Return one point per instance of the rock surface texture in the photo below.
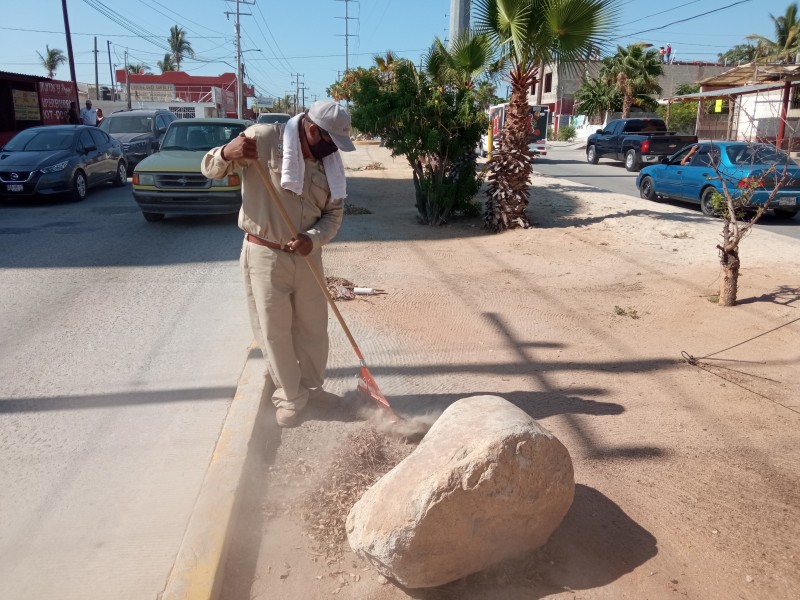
(485, 484)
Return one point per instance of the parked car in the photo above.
(739, 163)
(273, 118)
(170, 181)
(140, 131)
(60, 159)
(635, 141)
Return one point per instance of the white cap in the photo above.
(334, 119)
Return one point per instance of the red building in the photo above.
(177, 85)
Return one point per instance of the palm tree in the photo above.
(168, 64)
(532, 33)
(52, 59)
(138, 69)
(634, 71)
(469, 57)
(787, 35)
(595, 97)
(179, 45)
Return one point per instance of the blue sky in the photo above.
(306, 37)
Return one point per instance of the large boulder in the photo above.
(486, 483)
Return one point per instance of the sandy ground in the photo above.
(686, 479)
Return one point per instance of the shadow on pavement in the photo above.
(596, 544)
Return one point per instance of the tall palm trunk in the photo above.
(626, 86)
(511, 165)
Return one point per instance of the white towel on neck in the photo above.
(293, 169)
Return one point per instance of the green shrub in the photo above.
(566, 133)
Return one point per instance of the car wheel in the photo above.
(121, 177)
(152, 217)
(646, 188)
(631, 161)
(705, 202)
(79, 187)
(783, 213)
(591, 155)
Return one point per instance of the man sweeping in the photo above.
(288, 310)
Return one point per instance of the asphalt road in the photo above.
(121, 345)
(570, 163)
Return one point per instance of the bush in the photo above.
(550, 133)
(566, 133)
(436, 128)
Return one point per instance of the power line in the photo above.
(104, 33)
(659, 13)
(687, 19)
(277, 45)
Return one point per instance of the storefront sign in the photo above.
(26, 105)
(54, 99)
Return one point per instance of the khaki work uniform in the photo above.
(288, 310)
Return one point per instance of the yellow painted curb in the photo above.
(199, 567)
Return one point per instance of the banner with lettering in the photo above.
(54, 99)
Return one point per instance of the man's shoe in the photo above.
(286, 417)
(323, 398)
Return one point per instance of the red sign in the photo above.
(54, 99)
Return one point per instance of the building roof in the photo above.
(725, 93)
(752, 74)
(178, 78)
(22, 77)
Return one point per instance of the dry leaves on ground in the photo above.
(360, 461)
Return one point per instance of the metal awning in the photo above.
(753, 73)
(724, 93)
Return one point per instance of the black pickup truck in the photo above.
(636, 142)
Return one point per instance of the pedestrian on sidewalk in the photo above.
(288, 310)
(88, 114)
(72, 115)
(100, 117)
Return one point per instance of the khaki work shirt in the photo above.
(313, 212)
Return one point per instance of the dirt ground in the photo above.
(687, 477)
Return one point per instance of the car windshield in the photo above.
(127, 124)
(199, 136)
(273, 118)
(40, 140)
(760, 154)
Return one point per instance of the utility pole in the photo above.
(127, 80)
(239, 91)
(111, 72)
(69, 51)
(296, 77)
(303, 103)
(347, 35)
(96, 77)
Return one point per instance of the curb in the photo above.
(199, 566)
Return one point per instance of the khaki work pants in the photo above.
(289, 316)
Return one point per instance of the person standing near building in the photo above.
(288, 309)
(668, 53)
(100, 117)
(88, 114)
(661, 54)
(72, 115)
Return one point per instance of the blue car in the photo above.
(690, 176)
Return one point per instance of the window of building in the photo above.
(795, 98)
(548, 82)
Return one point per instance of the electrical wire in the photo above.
(687, 19)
